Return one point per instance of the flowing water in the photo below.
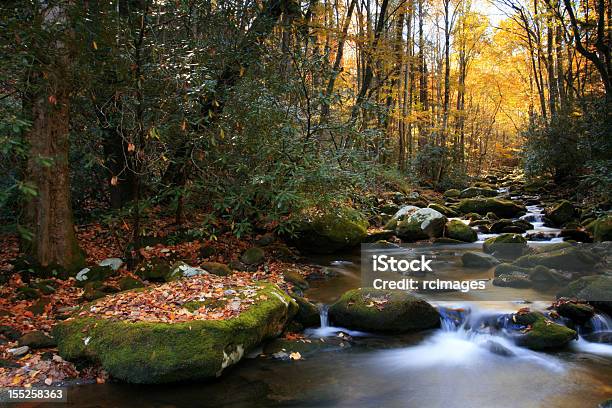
(471, 361)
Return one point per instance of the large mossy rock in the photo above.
(308, 313)
(501, 208)
(565, 258)
(505, 245)
(602, 229)
(452, 193)
(542, 333)
(478, 260)
(561, 213)
(151, 353)
(403, 213)
(577, 312)
(253, 256)
(443, 209)
(390, 311)
(472, 192)
(456, 229)
(331, 231)
(422, 224)
(216, 268)
(595, 289)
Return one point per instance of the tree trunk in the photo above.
(49, 214)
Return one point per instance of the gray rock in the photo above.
(478, 260)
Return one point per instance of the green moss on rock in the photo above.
(471, 192)
(331, 231)
(561, 213)
(478, 260)
(169, 352)
(253, 256)
(422, 224)
(392, 311)
(308, 313)
(443, 209)
(505, 245)
(216, 268)
(602, 229)
(452, 193)
(595, 289)
(129, 283)
(568, 258)
(456, 229)
(544, 333)
(501, 208)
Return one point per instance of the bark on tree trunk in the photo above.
(49, 213)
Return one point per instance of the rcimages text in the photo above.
(385, 263)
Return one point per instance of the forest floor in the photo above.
(22, 313)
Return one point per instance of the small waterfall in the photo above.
(534, 214)
(468, 337)
(600, 322)
(323, 315)
(595, 336)
(451, 319)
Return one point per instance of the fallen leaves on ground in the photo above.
(218, 297)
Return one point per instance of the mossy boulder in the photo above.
(602, 229)
(595, 289)
(403, 213)
(578, 313)
(452, 193)
(422, 224)
(512, 280)
(331, 230)
(448, 212)
(296, 278)
(498, 226)
(542, 333)
(129, 283)
(216, 268)
(151, 353)
(391, 311)
(561, 213)
(508, 268)
(253, 256)
(500, 207)
(505, 245)
(478, 260)
(308, 313)
(568, 258)
(456, 229)
(472, 192)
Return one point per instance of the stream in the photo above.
(461, 364)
